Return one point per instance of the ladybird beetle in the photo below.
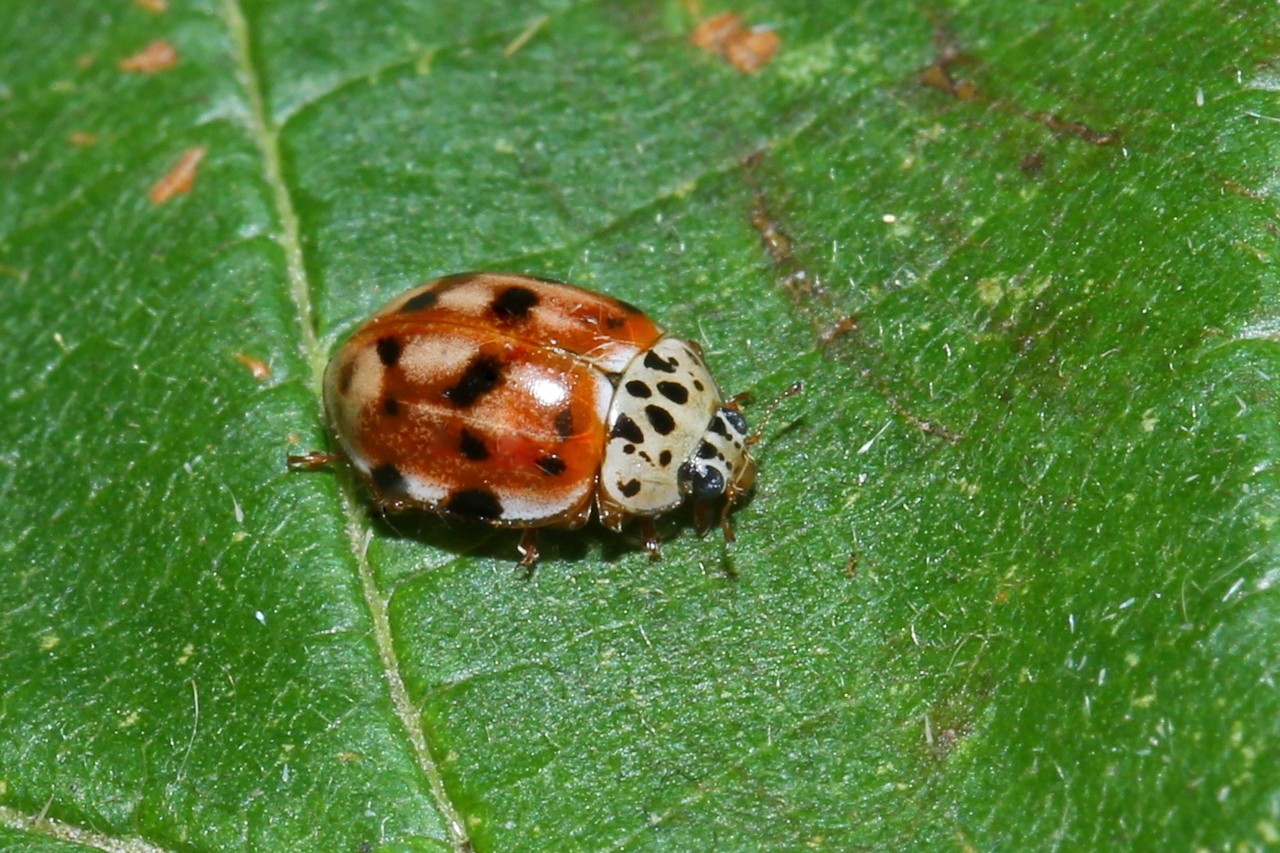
(524, 402)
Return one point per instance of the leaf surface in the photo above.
(1009, 576)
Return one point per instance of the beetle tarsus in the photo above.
(649, 535)
(528, 549)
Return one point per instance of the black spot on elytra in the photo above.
(717, 426)
(551, 464)
(564, 424)
(345, 376)
(664, 458)
(472, 447)
(423, 300)
(474, 503)
(391, 406)
(389, 351)
(697, 383)
(628, 449)
(636, 388)
(628, 429)
(674, 391)
(614, 322)
(514, 303)
(481, 376)
(660, 419)
(629, 489)
(387, 478)
(653, 361)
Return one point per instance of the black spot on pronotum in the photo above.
(472, 447)
(564, 424)
(345, 376)
(391, 406)
(707, 450)
(481, 376)
(660, 419)
(674, 391)
(474, 503)
(653, 361)
(514, 302)
(423, 300)
(628, 429)
(717, 426)
(387, 478)
(551, 464)
(629, 489)
(636, 388)
(664, 458)
(389, 351)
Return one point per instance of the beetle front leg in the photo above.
(649, 535)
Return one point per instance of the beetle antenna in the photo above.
(794, 389)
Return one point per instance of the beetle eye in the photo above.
(736, 420)
(703, 483)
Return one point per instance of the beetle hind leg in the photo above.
(528, 549)
(649, 535)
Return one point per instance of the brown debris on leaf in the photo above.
(940, 75)
(180, 179)
(155, 7)
(158, 56)
(747, 49)
(83, 139)
(808, 291)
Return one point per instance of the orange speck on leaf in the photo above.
(747, 49)
(82, 139)
(160, 55)
(155, 7)
(712, 33)
(180, 179)
(752, 50)
(258, 368)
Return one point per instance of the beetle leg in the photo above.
(725, 525)
(649, 535)
(528, 548)
(701, 517)
(312, 460)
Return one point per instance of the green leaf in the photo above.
(1009, 578)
